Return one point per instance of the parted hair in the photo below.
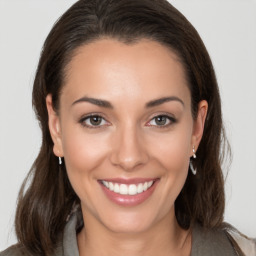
(46, 197)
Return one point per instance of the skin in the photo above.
(128, 143)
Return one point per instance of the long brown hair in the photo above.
(44, 206)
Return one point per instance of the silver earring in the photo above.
(193, 170)
(194, 152)
(60, 161)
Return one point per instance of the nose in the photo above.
(129, 149)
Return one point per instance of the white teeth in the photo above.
(125, 189)
(140, 188)
(106, 184)
(150, 183)
(145, 186)
(132, 190)
(116, 188)
(111, 186)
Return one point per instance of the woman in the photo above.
(130, 112)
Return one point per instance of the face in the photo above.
(126, 132)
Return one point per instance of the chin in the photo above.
(131, 221)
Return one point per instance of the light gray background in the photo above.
(228, 29)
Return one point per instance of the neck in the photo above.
(164, 238)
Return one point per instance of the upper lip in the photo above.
(129, 181)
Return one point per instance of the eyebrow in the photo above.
(160, 101)
(98, 102)
(107, 104)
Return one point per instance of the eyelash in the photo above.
(171, 120)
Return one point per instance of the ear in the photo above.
(198, 127)
(54, 127)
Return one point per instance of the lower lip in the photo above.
(129, 200)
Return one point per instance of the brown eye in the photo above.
(93, 121)
(161, 120)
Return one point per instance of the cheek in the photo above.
(83, 152)
(172, 152)
(173, 149)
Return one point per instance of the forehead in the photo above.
(111, 69)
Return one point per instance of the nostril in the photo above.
(129, 163)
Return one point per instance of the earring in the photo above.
(60, 161)
(193, 170)
(194, 152)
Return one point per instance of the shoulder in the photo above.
(15, 250)
(66, 245)
(211, 242)
(247, 245)
(222, 241)
(19, 250)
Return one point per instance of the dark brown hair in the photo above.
(44, 206)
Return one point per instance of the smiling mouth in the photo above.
(127, 189)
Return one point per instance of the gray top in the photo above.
(204, 243)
